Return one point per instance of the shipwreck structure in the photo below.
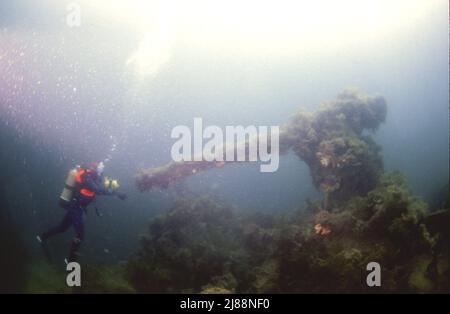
(334, 141)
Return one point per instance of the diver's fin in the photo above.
(44, 249)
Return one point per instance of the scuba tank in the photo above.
(70, 184)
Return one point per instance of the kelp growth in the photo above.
(202, 246)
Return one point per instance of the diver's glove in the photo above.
(121, 195)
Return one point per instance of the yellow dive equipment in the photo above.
(110, 183)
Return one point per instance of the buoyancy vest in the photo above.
(79, 179)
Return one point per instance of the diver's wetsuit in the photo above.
(74, 215)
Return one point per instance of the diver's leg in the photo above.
(78, 226)
(60, 228)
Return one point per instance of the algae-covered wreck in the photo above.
(366, 215)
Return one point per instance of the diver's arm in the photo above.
(92, 185)
(100, 190)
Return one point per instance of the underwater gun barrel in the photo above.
(329, 140)
(163, 176)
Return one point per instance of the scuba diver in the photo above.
(82, 185)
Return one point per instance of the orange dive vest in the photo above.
(80, 181)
